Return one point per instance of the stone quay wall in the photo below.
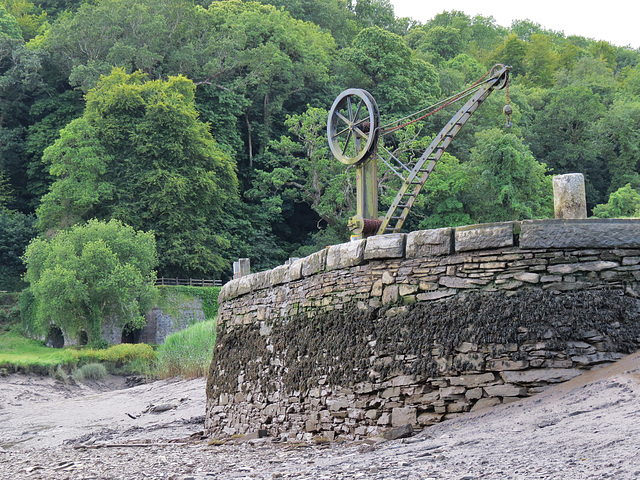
(416, 328)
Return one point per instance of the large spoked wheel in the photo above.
(352, 128)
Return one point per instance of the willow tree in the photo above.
(89, 274)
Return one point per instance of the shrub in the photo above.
(90, 371)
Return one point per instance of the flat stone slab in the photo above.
(429, 243)
(385, 246)
(345, 255)
(314, 263)
(540, 376)
(484, 236)
(581, 233)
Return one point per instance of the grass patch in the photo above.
(90, 371)
(18, 353)
(187, 353)
(118, 356)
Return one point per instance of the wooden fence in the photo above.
(191, 282)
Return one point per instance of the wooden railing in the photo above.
(191, 282)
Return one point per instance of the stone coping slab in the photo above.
(581, 233)
(527, 234)
(484, 236)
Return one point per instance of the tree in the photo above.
(9, 25)
(512, 52)
(91, 274)
(624, 202)
(385, 66)
(20, 82)
(509, 184)
(562, 136)
(30, 18)
(302, 169)
(332, 16)
(446, 42)
(443, 196)
(141, 155)
(540, 61)
(16, 230)
(617, 142)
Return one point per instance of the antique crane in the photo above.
(353, 131)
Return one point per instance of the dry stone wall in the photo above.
(420, 327)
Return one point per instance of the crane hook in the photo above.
(508, 111)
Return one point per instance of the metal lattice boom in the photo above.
(420, 172)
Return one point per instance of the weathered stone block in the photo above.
(403, 416)
(400, 381)
(435, 295)
(244, 285)
(541, 376)
(500, 365)
(485, 403)
(429, 243)
(595, 358)
(506, 390)
(385, 246)
(527, 277)
(390, 294)
(335, 404)
(345, 255)
(458, 282)
(295, 270)
(481, 237)
(314, 263)
(406, 289)
(384, 419)
(472, 381)
(474, 394)
(279, 275)
(429, 418)
(451, 393)
(402, 431)
(587, 233)
(466, 347)
(261, 280)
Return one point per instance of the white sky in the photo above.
(617, 22)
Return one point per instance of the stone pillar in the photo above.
(569, 198)
(241, 268)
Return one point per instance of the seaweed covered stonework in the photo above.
(351, 348)
(426, 362)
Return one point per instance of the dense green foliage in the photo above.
(88, 274)
(204, 121)
(188, 352)
(207, 295)
(16, 230)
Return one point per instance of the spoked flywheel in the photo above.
(352, 127)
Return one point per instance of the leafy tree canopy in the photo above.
(16, 230)
(89, 274)
(140, 154)
(624, 202)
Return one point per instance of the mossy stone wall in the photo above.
(421, 327)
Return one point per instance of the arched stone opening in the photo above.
(130, 334)
(83, 338)
(55, 337)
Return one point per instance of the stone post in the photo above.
(241, 268)
(569, 198)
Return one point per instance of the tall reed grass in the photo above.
(187, 353)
